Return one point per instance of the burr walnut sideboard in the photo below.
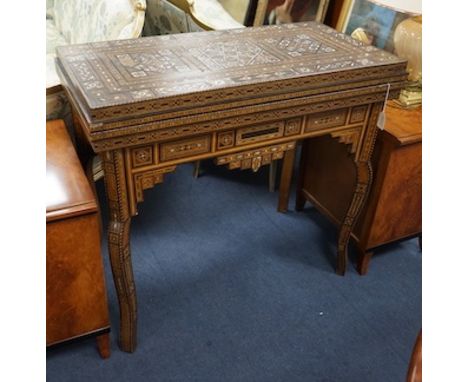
(243, 97)
(76, 295)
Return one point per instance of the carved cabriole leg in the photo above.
(364, 179)
(119, 246)
(285, 184)
(364, 175)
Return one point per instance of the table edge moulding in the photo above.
(243, 97)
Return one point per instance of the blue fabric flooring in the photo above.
(230, 290)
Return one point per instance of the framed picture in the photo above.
(370, 22)
(292, 11)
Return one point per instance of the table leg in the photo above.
(103, 343)
(364, 180)
(300, 198)
(272, 175)
(286, 175)
(364, 177)
(363, 261)
(119, 246)
(196, 169)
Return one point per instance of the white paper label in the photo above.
(381, 120)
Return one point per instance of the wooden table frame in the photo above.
(122, 205)
(240, 132)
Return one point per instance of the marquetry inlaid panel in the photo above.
(254, 159)
(185, 148)
(293, 126)
(147, 179)
(142, 156)
(132, 77)
(183, 127)
(326, 119)
(225, 140)
(358, 113)
(349, 137)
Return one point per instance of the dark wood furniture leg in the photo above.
(103, 344)
(286, 175)
(300, 198)
(414, 373)
(363, 261)
(272, 169)
(119, 246)
(196, 169)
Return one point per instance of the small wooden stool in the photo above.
(76, 294)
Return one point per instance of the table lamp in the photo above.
(407, 40)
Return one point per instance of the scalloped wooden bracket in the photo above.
(254, 159)
(348, 137)
(147, 179)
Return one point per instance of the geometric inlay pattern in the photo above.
(113, 73)
(231, 54)
(142, 156)
(140, 65)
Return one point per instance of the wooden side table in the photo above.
(75, 294)
(393, 210)
(243, 97)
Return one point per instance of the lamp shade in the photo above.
(411, 7)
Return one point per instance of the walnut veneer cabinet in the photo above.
(393, 211)
(76, 299)
(244, 97)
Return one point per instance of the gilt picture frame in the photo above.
(370, 22)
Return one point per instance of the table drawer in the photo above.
(185, 148)
(260, 133)
(333, 118)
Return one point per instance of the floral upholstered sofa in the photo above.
(80, 21)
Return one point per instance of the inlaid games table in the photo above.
(244, 97)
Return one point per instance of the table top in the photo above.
(126, 78)
(68, 190)
(404, 125)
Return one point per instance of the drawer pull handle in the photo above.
(252, 134)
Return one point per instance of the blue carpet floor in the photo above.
(230, 290)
